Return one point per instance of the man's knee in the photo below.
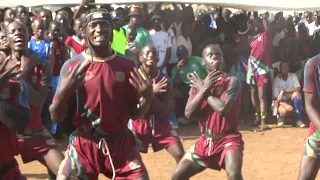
(282, 110)
(234, 174)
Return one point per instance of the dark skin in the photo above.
(259, 94)
(46, 17)
(10, 13)
(38, 29)
(77, 28)
(135, 20)
(149, 58)
(183, 60)
(17, 35)
(98, 34)
(186, 168)
(21, 11)
(4, 45)
(56, 34)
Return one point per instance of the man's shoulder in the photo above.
(123, 61)
(233, 81)
(313, 62)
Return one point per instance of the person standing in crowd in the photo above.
(102, 142)
(215, 101)
(14, 114)
(259, 68)
(181, 75)
(63, 18)
(61, 53)
(286, 91)
(242, 50)
(143, 37)
(35, 142)
(77, 42)
(46, 17)
(154, 128)
(38, 44)
(309, 165)
(21, 11)
(9, 13)
(119, 33)
(161, 40)
(184, 38)
(5, 50)
(132, 50)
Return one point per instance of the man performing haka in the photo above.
(35, 143)
(310, 161)
(154, 128)
(108, 91)
(216, 102)
(14, 117)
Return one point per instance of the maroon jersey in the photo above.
(104, 101)
(213, 123)
(8, 138)
(261, 48)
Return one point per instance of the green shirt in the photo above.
(194, 65)
(119, 41)
(143, 37)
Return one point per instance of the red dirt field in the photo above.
(273, 154)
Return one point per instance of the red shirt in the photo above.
(214, 124)
(8, 137)
(75, 44)
(261, 48)
(105, 95)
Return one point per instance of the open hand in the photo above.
(160, 87)
(71, 81)
(141, 82)
(211, 79)
(196, 82)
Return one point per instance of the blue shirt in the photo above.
(42, 48)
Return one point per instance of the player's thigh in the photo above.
(233, 162)
(287, 106)
(309, 168)
(186, 168)
(176, 150)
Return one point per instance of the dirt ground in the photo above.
(273, 154)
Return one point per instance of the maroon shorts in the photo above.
(160, 137)
(13, 173)
(87, 157)
(261, 80)
(210, 154)
(33, 147)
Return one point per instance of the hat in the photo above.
(182, 50)
(157, 15)
(134, 11)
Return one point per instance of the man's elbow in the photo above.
(55, 115)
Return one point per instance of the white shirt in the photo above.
(279, 84)
(312, 27)
(181, 41)
(277, 38)
(178, 28)
(173, 57)
(162, 41)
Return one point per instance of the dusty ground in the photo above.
(273, 154)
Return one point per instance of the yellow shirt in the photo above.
(119, 41)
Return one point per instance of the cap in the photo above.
(134, 11)
(182, 50)
(117, 15)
